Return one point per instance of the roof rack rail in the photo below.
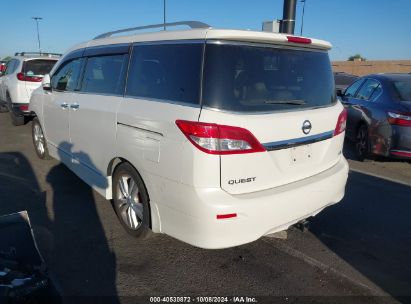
(36, 53)
(191, 24)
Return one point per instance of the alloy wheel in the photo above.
(130, 207)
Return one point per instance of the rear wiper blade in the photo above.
(291, 102)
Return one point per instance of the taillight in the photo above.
(301, 40)
(24, 108)
(341, 123)
(22, 77)
(219, 139)
(399, 119)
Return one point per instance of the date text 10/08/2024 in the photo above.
(203, 299)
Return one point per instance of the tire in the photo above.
(130, 201)
(361, 143)
(16, 120)
(39, 140)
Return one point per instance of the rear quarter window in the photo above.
(170, 72)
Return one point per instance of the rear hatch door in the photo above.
(286, 98)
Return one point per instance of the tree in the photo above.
(7, 58)
(356, 57)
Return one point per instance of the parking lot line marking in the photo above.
(381, 176)
(313, 262)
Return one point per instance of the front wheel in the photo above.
(361, 143)
(130, 200)
(39, 141)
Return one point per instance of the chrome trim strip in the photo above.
(295, 142)
(138, 128)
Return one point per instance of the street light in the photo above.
(302, 17)
(38, 33)
(164, 14)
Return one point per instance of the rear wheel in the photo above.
(39, 141)
(130, 201)
(361, 143)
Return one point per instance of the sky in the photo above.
(376, 29)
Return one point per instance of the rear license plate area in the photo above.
(301, 155)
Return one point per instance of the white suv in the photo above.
(23, 75)
(214, 137)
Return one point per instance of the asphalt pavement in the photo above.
(356, 251)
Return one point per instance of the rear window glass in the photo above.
(38, 67)
(259, 79)
(166, 72)
(403, 89)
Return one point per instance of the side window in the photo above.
(105, 74)
(367, 89)
(352, 89)
(376, 93)
(166, 71)
(67, 76)
(11, 66)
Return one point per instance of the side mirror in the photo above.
(46, 83)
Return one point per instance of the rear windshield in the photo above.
(38, 67)
(246, 78)
(403, 89)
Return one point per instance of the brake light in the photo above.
(24, 108)
(302, 40)
(219, 139)
(341, 123)
(399, 119)
(22, 77)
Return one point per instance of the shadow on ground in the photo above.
(68, 229)
(370, 229)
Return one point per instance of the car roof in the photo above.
(391, 76)
(206, 34)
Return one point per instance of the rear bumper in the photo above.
(21, 109)
(258, 213)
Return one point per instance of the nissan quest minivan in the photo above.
(214, 137)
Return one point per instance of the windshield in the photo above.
(244, 78)
(403, 89)
(38, 67)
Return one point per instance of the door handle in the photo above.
(75, 106)
(64, 105)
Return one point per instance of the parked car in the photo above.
(2, 67)
(343, 81)
(23, 75)
(379, 115)
(214, 137)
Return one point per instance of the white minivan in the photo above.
(214, 137)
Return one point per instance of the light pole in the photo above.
(302, 17)
(38, 33)
(164, 14)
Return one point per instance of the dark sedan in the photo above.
(379, 115)
(343, 80)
